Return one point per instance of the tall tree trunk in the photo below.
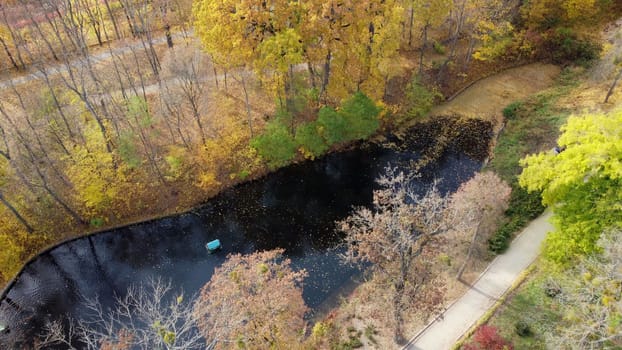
(454, 42)
(169, 37)
(42, 36)
(613, 85)
(398, 332)
(248, 106)
(325, 77)
(215, 76)
(469, 253)
(128, 17)
(58, 200)
(9, 54)
(17, 215)
(6, 153)
(113, 19)
(226, 87)
(288, 81)
(96, 28)
(469, 53)
(411, 23)
(423, 46)
(311, 75)
(59, 108)
(34, 131)
(14, 37)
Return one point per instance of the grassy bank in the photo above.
(528, 330)
(531, 126)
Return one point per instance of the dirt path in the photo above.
(486, 98)
(76, 62)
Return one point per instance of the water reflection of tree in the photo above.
(150, 316)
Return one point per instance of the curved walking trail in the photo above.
(499, 276)
(485, 99)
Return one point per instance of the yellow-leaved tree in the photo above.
(231, 31)
(351, 45)
(92, 171)
(582, 183)
(354, 42)
(228, 158)
(427, 14)
(548, 13)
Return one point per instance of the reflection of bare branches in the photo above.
(147, 317)
(55, 333)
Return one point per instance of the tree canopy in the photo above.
(582, 183)
(253, 301)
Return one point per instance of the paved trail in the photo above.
(486, 99)
(443, 332)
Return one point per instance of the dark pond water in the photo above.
(294, 208)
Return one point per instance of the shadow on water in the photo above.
(295, 208)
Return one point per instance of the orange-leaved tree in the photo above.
(254, 301)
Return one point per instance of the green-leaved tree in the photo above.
(582, 184)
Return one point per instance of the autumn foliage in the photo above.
(254, 301)
(478, 205)
(582, 184)
(487, 338)
(398, 237)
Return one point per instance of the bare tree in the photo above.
(184, 87)
(478, 205)
(164, 7)
(397, 237)
(148, 317)
(255, 301)
(16, 213)
(617, 63)
(112, 19)
(590, 298)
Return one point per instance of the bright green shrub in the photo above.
(310, 141)
(361, 116)
(419, 100)
(275, 145)
(334, 125)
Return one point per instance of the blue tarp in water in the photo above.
(213, 245)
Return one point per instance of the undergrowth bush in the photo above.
(523, 204)
(522, 328)
(361, 115)
(511, 110)
(276, 145)
(356, 119)
(309, 139)
(523, 207)
(488, 338)
(439, 48)
(565, 46)
(419, 100)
